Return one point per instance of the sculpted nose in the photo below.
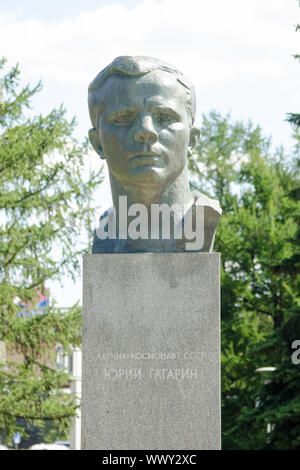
(146, 131)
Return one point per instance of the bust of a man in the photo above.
(142, 111)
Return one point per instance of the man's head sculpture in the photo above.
(142, 111)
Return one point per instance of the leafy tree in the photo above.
(279, 396)
(259, 241)
(45, 210)
(294, 118)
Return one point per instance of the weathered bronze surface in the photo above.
(142, 111)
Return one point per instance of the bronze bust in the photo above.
(142, 111)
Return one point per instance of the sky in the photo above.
(237, 53)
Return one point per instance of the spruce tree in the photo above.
(45, 214)
(258, 238)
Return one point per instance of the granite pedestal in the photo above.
(151, 351)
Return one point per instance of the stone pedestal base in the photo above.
(151, 351)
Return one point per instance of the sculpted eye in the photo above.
(122, 118)
(163, 116)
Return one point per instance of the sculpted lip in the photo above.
(143, 158)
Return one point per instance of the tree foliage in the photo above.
(258, 238)
(45, 210)
(294, 118)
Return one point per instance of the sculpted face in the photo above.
(144, 129)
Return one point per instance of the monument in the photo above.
(151, 365)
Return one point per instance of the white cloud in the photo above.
(214, 37)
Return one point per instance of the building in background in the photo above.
(71, 364)
(37, 307)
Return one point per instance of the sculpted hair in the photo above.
(136, 66)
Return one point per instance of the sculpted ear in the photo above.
(95, 141)
(194, 139)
